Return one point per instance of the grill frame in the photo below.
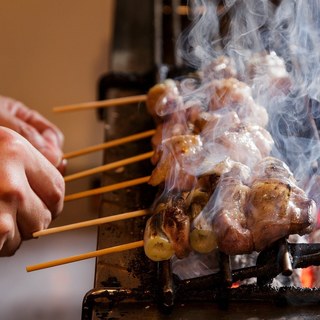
(130, 280)
(128, 285)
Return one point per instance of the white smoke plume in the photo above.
(243, 29)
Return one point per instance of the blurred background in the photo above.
(53, 53)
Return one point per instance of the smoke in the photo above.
(274, 49)
(289, 91)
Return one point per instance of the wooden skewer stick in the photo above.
(113, 187)
(93, 254)
(110, 144)
(108, 166)
(93, 222)
(101, 104)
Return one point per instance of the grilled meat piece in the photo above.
(236, 96)
(268, 71)
(176, 225)
(273, 168)
(244, 144)
(220, 68)
(276, 206)
(177, 156)
(168, 229)
(277, 209)
(250, 216)
(229, 217)
(163, 99)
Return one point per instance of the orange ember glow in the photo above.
(307, 277)
(235, 285)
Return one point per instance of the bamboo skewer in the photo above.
(113, 187)
(93, 222)
(117, 186)
(101, 103)
(108, 166)
(88, 255)
(110, 144)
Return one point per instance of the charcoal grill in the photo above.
(130, 286)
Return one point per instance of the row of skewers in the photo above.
(110, 188)
(241, 220)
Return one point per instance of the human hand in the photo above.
(40, 132)
(31, 191)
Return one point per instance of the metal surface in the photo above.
(160, 294)
(129, 286)
(259, 310)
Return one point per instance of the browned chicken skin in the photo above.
(176, 225)
(276, 206)
(229, 222)
(220, 148)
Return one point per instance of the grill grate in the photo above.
(129, 286)
(170, 290)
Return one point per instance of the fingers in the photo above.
(62, 167)
(48, 130)
(32, 214)
(18, 222)
(45, 180)
(31, 191)
(48, 184)
(10, 238)
(46, 141)
(40, 132)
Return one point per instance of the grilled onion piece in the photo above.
(157, 246)
(203, 240)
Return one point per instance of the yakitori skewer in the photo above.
(112, 187)
(88, 255)
(101, 103)
(93, 222)
(110, 144)
(109, 166)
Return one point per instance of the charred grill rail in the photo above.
(281, 258)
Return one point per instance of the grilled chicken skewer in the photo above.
(191, 139)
